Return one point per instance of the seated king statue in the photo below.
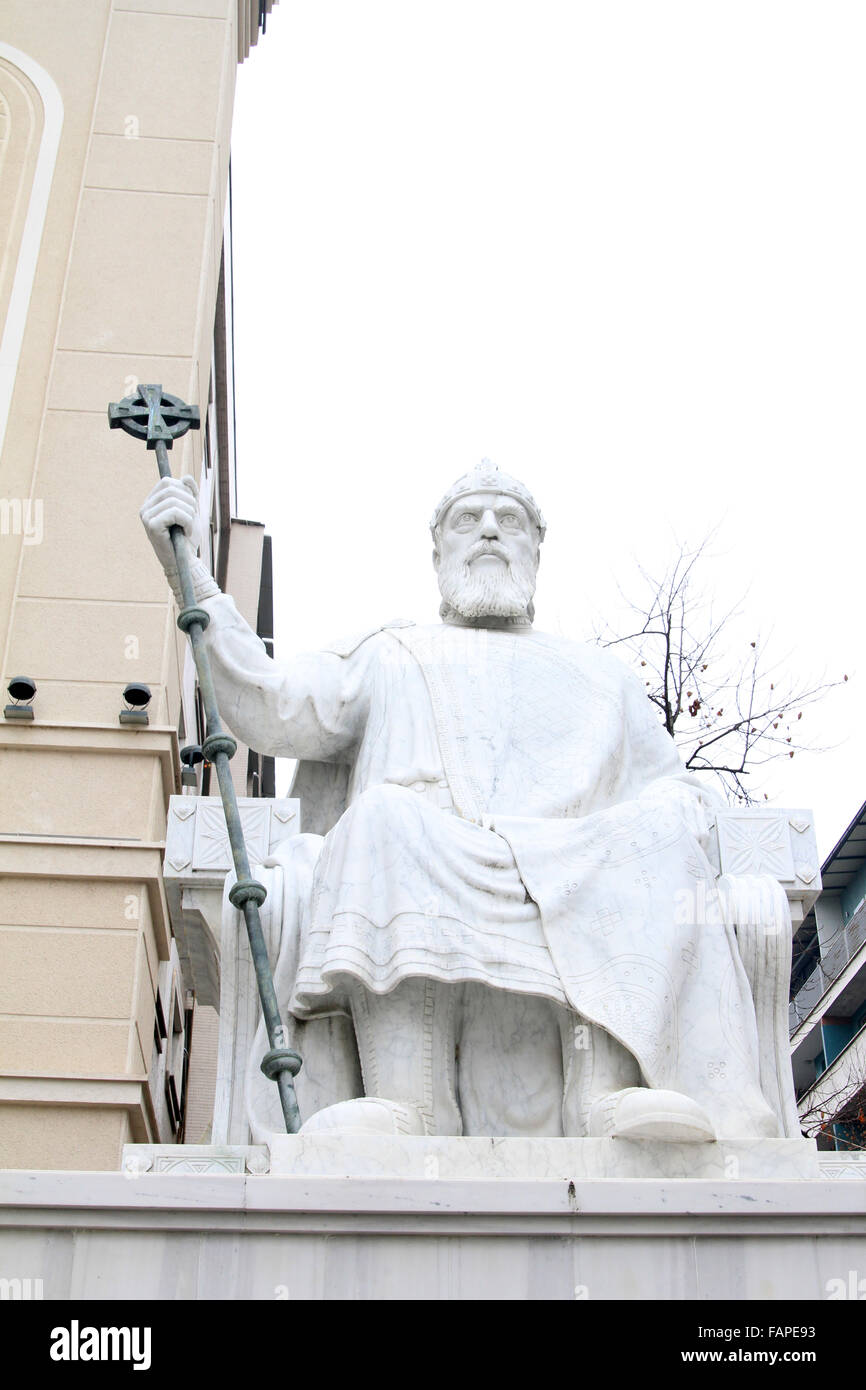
(485, 907)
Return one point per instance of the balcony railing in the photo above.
(833, 1091)
(842, 948)
(855, 932)
(807, 997)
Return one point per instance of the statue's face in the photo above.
(487, 557)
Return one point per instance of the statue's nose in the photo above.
(489, 525)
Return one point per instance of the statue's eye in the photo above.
(510, 519)
(466, 519)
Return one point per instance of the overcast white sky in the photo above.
(617, 248)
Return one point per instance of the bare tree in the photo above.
(842, 1109)
(729, 712)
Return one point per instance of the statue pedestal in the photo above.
(193, 1222)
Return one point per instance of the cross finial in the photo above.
(152, 414)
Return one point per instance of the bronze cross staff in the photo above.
(159, 419)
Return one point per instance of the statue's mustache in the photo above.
(486, 548)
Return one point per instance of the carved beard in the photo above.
(473, 593)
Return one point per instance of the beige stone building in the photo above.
(115, 119)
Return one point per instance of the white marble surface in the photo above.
(774, 841)
(164, 1236)
(539, 1160)
(204, 1159)
(196, 1159)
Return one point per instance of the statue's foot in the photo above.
(639, 1113)
(368, 1115)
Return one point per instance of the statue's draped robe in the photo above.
(515, 815)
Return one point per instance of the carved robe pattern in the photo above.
(516, 816)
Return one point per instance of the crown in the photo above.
(486, 477)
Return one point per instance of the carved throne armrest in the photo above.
(197, 858)
(220, 970)
(769, 878)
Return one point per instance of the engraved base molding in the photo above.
(198, 1160)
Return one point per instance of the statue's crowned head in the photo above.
(487, 530)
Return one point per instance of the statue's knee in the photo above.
(388, 802)
(302, 847)
(297, 857)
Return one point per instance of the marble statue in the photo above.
(486, 908)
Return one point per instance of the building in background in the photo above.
(115, 120)
(828, 1000)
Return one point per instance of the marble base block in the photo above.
(161, 1231)
(538, 1160)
